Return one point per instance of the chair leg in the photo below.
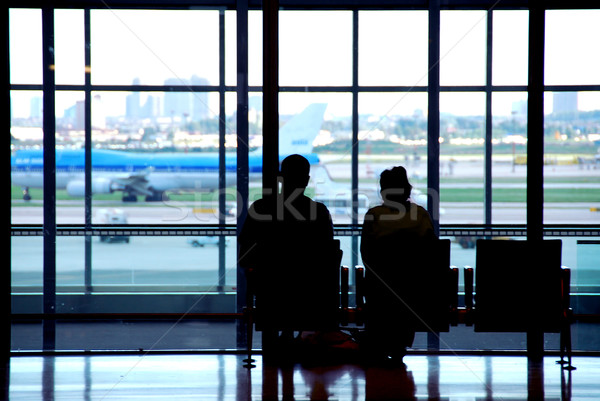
(249, 334)
(565, 347)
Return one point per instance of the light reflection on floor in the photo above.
(224, 377)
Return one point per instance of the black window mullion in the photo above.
(88, 151)
(222, 126)
(433, 115)
(355, 128)
(49, 142)
(242, 173)
(487, 203)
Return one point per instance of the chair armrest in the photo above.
(469, 274)
(453, 288)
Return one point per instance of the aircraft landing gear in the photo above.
(156, 196)
(129, 198)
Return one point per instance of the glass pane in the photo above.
(585, 273)
(70, 45)
(26, 260)
(571, 36)
(509, 157)
(255, 52)
(510, 47)
(255, 56)
(462, 47)
(572, 158)
(392, 132)
(127, 46)
(323, 120)
(26, 137)
(129, 263)
(25, 46)
(385, 56)
(462, 136)
(315, 48)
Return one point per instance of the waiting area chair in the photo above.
(520, 286)
(292, 291)
(409, 286)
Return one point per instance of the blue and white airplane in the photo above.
(151, 174)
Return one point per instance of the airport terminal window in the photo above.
(321, 55)
(155, 46)
(160, 92)
(510, 47)
(570, 35)
(462, 47)
(386, 57)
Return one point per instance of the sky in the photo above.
(153, 46)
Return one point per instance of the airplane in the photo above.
(152, 174)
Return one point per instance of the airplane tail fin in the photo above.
(298, 134)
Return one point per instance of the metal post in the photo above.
(433, 131)
(242, 150)
(535, 148)
(49, 123)
(88, 153)
(433, 116)
(487, 203)
(355, 142)
(222, 161)
(270, 95)
(6, 113)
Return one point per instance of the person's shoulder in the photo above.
(321, 207)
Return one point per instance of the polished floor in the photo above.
(224, 377)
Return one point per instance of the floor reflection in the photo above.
(224, 377)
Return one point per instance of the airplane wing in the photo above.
(136, 183)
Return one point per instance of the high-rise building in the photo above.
(564, 102)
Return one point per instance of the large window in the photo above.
(146, 107)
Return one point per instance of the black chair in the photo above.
(520, 286)
(409, 286)
(293, 290)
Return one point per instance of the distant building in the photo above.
(564, 102)
(183, 105)
(36, 107)
(133, 104)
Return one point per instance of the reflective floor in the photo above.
(224, 377)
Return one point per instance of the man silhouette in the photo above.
(287, 214)
(284, 247)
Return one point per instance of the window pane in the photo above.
(26, 260)
(509, 157)
(255, 56)
(462, 133)
(324, 119)
(128, 45)
(26, 135)
(572, 158)
(315, 48)
(69, 45)
(255, 51)
(571, 37)
(510, 47)
(392, 132)
(25, 45)
(385, 56)
(167, 163)
(462, 47)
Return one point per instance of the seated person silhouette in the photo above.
(394, 236)
(283, 244)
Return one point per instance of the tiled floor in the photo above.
(224, 377)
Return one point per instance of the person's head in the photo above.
(295, 170)
(394, 184)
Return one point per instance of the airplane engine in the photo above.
(99, 186)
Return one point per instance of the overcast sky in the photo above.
(315, 49)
